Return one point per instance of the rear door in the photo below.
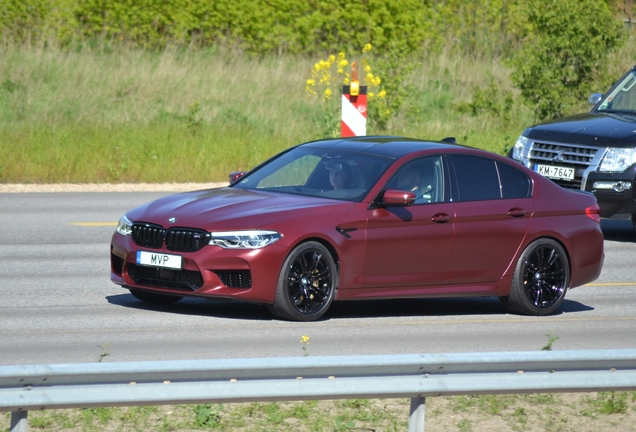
(493, 206)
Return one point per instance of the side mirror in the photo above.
(398, 198)
(235, 175)
(595, 98)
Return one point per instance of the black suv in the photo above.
(595, 152)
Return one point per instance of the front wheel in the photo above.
(307, 283)
(540, 280)
(154, 298)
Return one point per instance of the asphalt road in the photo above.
(59, 306)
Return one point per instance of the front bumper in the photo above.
(614, 192)
(214, 272)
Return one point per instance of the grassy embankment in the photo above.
(135, 116)
(193, 116)
(524, 413)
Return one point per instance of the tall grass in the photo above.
(128, 115)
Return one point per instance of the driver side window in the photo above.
(423, 177)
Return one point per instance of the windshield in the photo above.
(623, 98)
(325, 173)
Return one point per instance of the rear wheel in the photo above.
(154, 298)
(540, 280)
(307, 283)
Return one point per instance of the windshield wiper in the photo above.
(617, 111)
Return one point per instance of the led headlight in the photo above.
(255, 239)
(124, 227)
(618, 159)
(519, 148)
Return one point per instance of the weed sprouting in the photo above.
(551, 340)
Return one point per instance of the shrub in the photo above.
(564, 54)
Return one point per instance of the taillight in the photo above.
(594, 213)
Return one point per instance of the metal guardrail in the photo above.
(414, 376)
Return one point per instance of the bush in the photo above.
(564, 54)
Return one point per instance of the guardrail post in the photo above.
(19, 421)
(418, 413)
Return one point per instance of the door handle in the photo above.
(440, 218)
(516, 212)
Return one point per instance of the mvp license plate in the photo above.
(555, 172)
(159, 260)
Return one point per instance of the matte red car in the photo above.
(365, 218)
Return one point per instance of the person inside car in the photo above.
(339, 175)
(410, 179)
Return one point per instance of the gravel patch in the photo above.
(116, 187)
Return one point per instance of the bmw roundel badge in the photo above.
(172, 220)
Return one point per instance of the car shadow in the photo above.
(431, 307)
(619, 230)
(218, 308)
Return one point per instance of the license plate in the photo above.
(153, 259)
(555, 172)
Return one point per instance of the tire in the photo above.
(154, 298)
(306, 285)
(540, 280)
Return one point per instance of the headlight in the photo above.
(124, 227)
(519, 148)
(618, 159)
(244, 239)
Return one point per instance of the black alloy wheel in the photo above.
(540, 280)
(307, 283)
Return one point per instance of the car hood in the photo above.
(593, 129)
(231, 208)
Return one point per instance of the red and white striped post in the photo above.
(354, 106)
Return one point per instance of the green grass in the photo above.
(136, 116)
(97, 115)
(575, 412)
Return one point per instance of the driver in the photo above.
(409, 180)
(339, 174)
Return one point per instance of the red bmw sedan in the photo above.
(365, 218)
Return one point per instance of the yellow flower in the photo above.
(304, 339)
(343, 63)
(366, 48)
(340, 71)
(377, 81)
(346, 81)
(311, 82)
(328, 94)
(332, 58)
(382, 93)
(367, 68)
(341, 56)
(369, 77)
(371, 95)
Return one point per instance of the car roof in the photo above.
(388, 146)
